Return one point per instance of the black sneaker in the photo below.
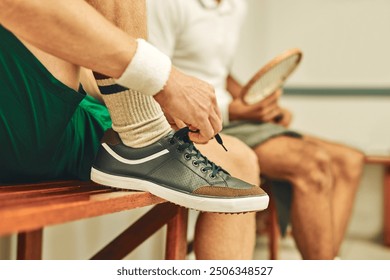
(173, 169)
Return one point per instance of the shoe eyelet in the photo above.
(187, 156)
(212, 176)
(194, 163)
(203, 170)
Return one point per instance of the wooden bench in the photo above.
(268, 224)
(385, 162)
(27, 209)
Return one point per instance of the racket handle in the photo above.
(279, 117)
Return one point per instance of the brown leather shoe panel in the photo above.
(229, 192)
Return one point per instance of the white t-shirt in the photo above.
(200, 37)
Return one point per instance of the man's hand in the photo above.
(188, 100)
(286, 118)
(175, 124)
(265, 110)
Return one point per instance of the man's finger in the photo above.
(216, 122)
(198, 138)
(179, 123)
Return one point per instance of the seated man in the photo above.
(200, 37)
(201, 185)
(50, 130)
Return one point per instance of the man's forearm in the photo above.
(233, 87)
(71, 30)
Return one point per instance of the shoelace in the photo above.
(192, 151)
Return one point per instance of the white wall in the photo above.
(345, 44)
(360, 121)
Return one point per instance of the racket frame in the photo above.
(269, 66)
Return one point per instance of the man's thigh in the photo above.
(347, 162)
(128, 15)
(333, 148)
(280, 157)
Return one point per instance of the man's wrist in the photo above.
(148, 71)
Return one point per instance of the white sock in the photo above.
(137, 118)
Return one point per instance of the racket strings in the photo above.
(271, 80)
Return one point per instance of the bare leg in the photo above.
(140, 121)
(347, 167)
(129, 15)
(221, 236)
(307, 167)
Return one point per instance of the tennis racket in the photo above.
(271, 76)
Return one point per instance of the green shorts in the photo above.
(254, 134)
(48, 130)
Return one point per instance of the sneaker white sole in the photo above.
(200, 203)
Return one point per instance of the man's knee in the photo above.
(314, 170)
(349, 163)
(240, 160)
(243, 156)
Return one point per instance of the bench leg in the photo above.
(273, 232)
(138, 232)
(30, 245)
(176, 244)
(386, 202)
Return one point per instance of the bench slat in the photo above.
(48, 184)
(378, 160)
(27, 208)
(46, 204)
(9, 199)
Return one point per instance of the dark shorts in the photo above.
(254, 134)
(47, 130)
